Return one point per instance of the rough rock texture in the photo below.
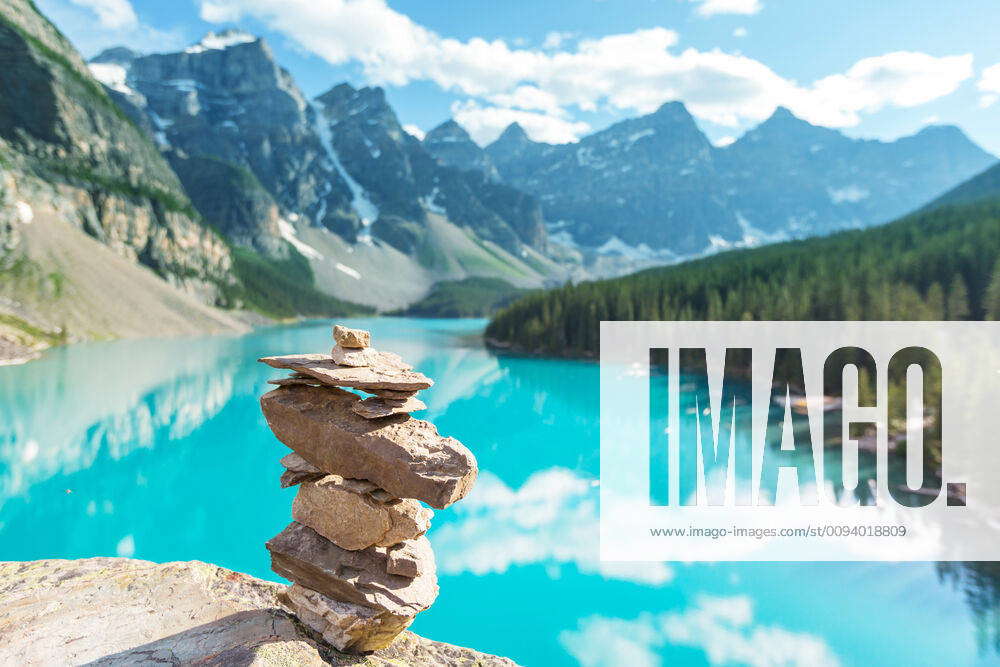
(411, 558)
(56, 612)
(354, 338)
(58, 123)
(303, 556)
(344, 512)
(298, 470)
(354, 356)
(405, 456)
(389, 393)
(388, 375)
(345, 626)
(376, 407)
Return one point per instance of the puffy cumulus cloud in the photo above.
(902, 79)
(722, 628)
(111, 13)
(989, 84)
(550, 520)
(485, 123)
(633, 72)
(713, 7)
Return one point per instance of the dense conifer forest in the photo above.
(938, 263)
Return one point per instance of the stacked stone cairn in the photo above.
(355, 551)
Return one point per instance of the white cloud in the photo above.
(724, 141)
(740, 32)
(551, 520)
(632, 72)
(721, 627)
(555, 39)
(415, 131)
(111, 13)
(989, 84)
(485, 123)
(116, 24)
(713, 7)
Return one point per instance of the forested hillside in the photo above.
(934, 264)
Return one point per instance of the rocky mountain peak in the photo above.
(448, 131)
(513, 134)
(672, 112)
(345, 101)
(451, 145)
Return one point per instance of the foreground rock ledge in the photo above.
(119, 611)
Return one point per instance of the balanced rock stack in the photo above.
(355, 551)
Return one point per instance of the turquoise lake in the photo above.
(157, 449)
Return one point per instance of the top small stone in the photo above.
(351, 337)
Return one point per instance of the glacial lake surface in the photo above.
(157, 449)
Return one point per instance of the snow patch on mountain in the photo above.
(220, 41)
(363, 206)
(111, 75)
(287, 232)
(343, 268)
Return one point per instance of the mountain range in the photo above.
(656, 188)
(379, 219)
(941, 262)
(194, 190)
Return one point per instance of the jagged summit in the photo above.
(220, 41)
(513, 133)
(452, 145)
(344, 101)
(449, 130)
(673, 110)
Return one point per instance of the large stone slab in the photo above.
(387, 373)
(303, 556)
(405, 456)
(346, 513)
(345, 626)
(119, 611)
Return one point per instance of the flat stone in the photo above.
(298, 470)
(354, 356)
(351, 337)
(384, 375)
(292, 381)
(375, 407)
(344, 512)
(405, 456)
(120, 611)
(305, 557)
(411, 558)
(389, 393)
(347, 627)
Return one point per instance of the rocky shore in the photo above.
(119, 611)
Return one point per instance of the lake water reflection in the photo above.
(157, 449)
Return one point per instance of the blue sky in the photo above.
(564, 68)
